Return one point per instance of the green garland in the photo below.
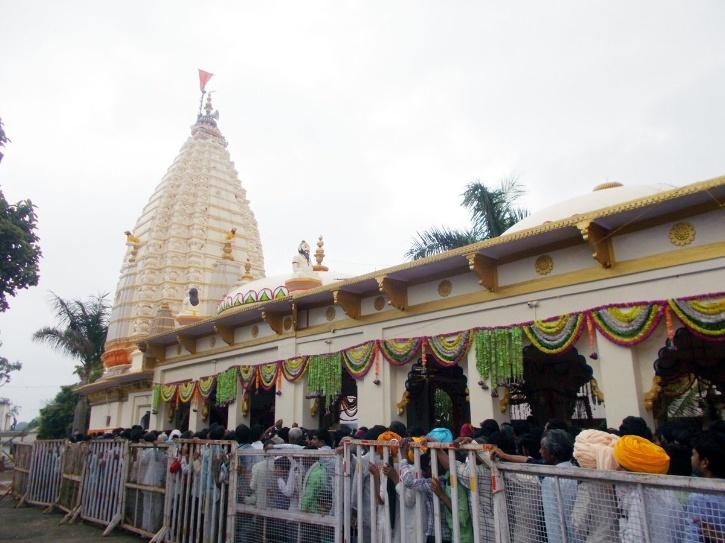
(226, 387)
(499, 354)
(324, 375)
(155, 397)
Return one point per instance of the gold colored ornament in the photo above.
(170, 415)
(205, 412)
(379, 303)
(652, 395)
(287, 323)
(245, 406)
(403, 403)
(330, 313)
(255, 330)
(445, 288)
(544, 265)
(315, 407)
(503, 403)
(596, 391)
(682, 233)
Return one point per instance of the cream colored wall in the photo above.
(116, 410)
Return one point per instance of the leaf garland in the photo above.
(556, 335)
(247, 375)
(226, 387)
(267, 375)
(401, 351)
(704, 316)
(294, 368)
(627, 325)
(168, 392)
(324, 375)
(206, 386)
(186, 391)
(359, 359)
(155, 397)
(449, 349)
(499, 354)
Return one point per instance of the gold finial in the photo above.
(247, 271)
(208, 106)
(320, 256)
(231, 234)
(227, 249)
(130, 238)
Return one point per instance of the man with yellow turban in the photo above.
(663, 512)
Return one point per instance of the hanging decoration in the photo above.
(155, 397)
(592, 339)
(267, 375)
(206, 386)
(324, 375)
(555, 335)
(627, 325)
(294, 368)
(168, 392)
(400, 352)
(226, 387)
(186, 391)
(246, 375)
(359, 359)
(278, 383)
(377, 356)
(450, 349)
(703, 315)
(499, 354)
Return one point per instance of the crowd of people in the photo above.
(542, 508)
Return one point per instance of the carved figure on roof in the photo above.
(304, 250)
(130, 238)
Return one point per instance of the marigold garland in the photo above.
(186, 391)
(704, 316)
(627, 325)
(402, 351)
(205, 386)
(557, 335)
(449, 349)
(226, 387)
(324, 375)
(359, 359)
(499, 354)
(294, 368)
(168, 392)
(246, 375)
(267, 375)
(155, 397)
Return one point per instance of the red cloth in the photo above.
(204, 78)
(466, 431)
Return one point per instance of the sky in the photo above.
(360, 121)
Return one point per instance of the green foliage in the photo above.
(6, 367)
(442, 409)
(81, 333)
(492, 212)
(3, 138)
(56, 418)
(19, 249)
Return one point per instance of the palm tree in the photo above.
(81, 334)
(492, 211)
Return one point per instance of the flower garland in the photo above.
(499, 354)
(359, 359)
(400, 352)
(449, 349)
(205, 386)
(186, 391)
(556, 335)
(324, 375)
(627, 325)
(704, 316)
(267, 375)
(246, 375)
(294, 368)
(226, 387)
(155, 397)
(168, 392)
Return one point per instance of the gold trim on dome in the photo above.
(330, 313)
(682, 233)
(379, 303)
(445, 288)
(544, 265)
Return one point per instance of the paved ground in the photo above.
(31, 524)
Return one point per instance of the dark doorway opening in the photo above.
(344, 408)
(438, 397)
(261, 407)
(218, 414)
(181, 417)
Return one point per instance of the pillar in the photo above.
(483, 403)
(235, 417)
(373, 407)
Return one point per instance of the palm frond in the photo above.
(439, 239)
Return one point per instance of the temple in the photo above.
(604, 305)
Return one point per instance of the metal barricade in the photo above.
(288, 495)
(145, 489)
(72, 468)
(21, 453)
(102, 486)
(199, 492)
(44, 478)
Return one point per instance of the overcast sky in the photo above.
(361, 121)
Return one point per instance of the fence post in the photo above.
(500, 511)
(347, 498)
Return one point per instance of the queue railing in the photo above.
(21, 455)
(44, 477)
(102, 486)
(73, 465)
(145, 489)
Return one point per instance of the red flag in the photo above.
(204, 78)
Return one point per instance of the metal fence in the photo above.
(145, 488)
(288, 495)
(102, 487)
(45, 472)
(72, 468)
(21, 455)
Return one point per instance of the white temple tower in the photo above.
(195, 232)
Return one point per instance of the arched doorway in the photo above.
(261, 407)
(690, 380)
(438, 396)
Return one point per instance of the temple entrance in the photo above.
(690, 380)
(554, 387)
(218, 414)
(181, 417)
(261, 407)
(344, 409)
(438, 397)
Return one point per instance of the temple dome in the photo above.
(603, 196)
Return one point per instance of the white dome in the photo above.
(603, 196)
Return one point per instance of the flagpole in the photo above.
(201, 101)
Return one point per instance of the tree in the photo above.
(493, 211)
(56, 418)
(19, 249)
(6, 367)
(3, 138)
